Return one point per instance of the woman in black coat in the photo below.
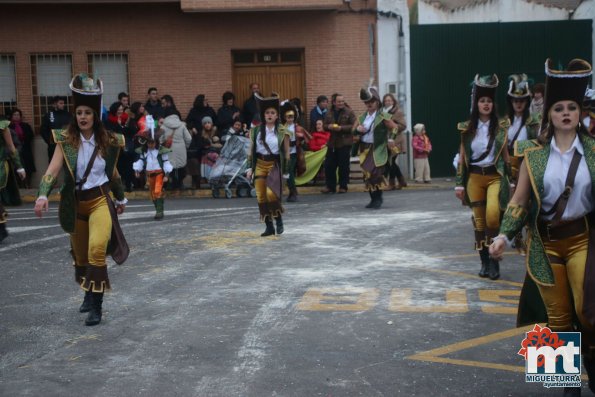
(228, 112)
(24, 133)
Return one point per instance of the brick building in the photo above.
(185, 47)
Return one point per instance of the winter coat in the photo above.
(176, 129)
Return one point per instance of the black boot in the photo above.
(3, 232)
(377, 201)
(94, 316)
(270, 230)
(572, 392)
(292, 196)
(484, 254)
(86, 306)
(494, 269)
(371, 199)
(279, 222)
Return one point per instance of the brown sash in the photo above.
(88, 169)
(487, 152)
(562, 201)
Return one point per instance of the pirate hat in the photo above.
(519, 86)
(369, 93)
(483, 86)
(565, 85)
(87, 91)
(266, 103)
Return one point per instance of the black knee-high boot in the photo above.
(377, 201)
(86, 305)
(279, 222)
(94, 316)
(3, 232)
(484, 254)
(270, 230)
(371, 199)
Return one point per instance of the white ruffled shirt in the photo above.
(97, 176)
(271, 140)
(514, 127)
(368, 137)
(292, 138)
(580, 200)
(150, 156)
(480, 144)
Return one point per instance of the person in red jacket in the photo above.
(421, 149)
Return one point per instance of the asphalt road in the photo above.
(347, 302)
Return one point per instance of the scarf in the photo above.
(17, 127)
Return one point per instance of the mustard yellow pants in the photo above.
(268, 202)
(565, 299)
(483, 192)
(92, 232)
(515, 166)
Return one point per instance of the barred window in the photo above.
(8, 87)
(112, 69)
(50, 76)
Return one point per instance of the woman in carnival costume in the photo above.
(153, 159)
(268, 158)
(298, 135)
(88, 154)
(482, 175)
(372, 128)
(554, 197)
(9, 159)
(397, 142)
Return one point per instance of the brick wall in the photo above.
(184, 54)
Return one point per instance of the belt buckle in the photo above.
(548, 230)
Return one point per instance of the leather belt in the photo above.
(267, 157)
(93, 193)
(563, 230)
(365, 145)
(489, 170)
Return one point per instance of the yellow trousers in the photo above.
(515, 166)
(565, 299)
(483, 192)
(269, 204)
(92, 232)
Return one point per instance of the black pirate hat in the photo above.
(565, 85)
(483, 86)
(369, 93)
(519, 86)
(288, 107)
(266, 103)
(87, 91)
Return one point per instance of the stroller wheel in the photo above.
(228, 193)
(216, 193)
(253, 192)
(243, 191)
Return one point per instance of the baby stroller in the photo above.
(230, 169)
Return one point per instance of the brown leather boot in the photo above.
(402, 181)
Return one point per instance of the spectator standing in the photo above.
(153, 105)
(25, 135)
(210, 145)
(55, 119)
(117, 121)
(250, 108)
(319, 111)
(200, 109)
(421, 149)
(536, 107)
(124, 98)
(9, 156)
(228, 112)
(167, 101)
(339, 120)
(175, 131)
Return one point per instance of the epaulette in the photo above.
(386, 116)
(164, 150)
(504, 122)
(59, 135)
(4, 124)
(463, 125)
(521, 147)
(117, 139)
(534, 119)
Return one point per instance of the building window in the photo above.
(112, 69)
(50, 76)
(8, 87)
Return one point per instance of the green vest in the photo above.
(381, 132)
(67, 209)
(282, 131)
(499, 144)
(536, 157)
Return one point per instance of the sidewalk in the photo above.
(29, 195)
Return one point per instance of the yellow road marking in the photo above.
(338, 299)
(467, 275)
(456, 302)
(469, 255)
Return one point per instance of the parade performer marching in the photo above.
(297, 136)
(372, 128)
(88, 154)
(482, 175)
(397, 142)
(153, 159)
(555, 198)
(268, 158)
(523, 125)
(9, 160)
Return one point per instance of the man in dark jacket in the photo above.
(153, 105)
(318, 112)
(55, 119)
(339, 121)
(250, 108)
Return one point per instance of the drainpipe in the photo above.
(371, 40)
